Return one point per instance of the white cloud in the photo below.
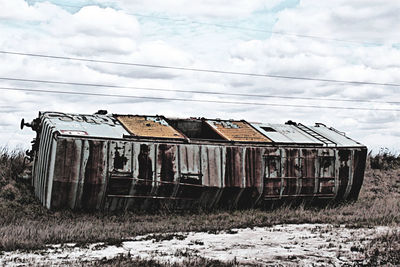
(117, 35)
(206, 8)
(19, 10)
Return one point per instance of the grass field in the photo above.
(25, 224)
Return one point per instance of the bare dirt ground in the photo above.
(296, 244)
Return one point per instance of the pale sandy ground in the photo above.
(296, 244)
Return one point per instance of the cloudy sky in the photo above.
(336, 40)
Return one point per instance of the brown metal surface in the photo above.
(149, 126)
(239, 131)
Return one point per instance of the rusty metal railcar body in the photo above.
(119, 162)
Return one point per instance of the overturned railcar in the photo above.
(120, 162)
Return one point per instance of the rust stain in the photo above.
(308, 171)
(93, 180)
(149, 126)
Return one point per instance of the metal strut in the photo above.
(316, 135)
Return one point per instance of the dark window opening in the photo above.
(195, 129)
(268, 129)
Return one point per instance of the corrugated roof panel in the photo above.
(282, 133)
(339, 139)
(86, 125)
(237, 131)
(149, 126)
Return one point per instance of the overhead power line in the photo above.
(198, 69)
(196, 92)
(297, 35)
(192, 100)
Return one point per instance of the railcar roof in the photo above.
(160, 127)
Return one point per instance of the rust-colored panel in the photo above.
(143, 173)
(326, 186)
(120, 157)
(190, 171)
(233, 167)
(359, 161)
(344, 172)
(211, 163)
(237, 131)
(291, 163)
(166, 169)
(149, 126)
(66, 173)
(308, 162)
(326, 171)
(291, 172)
(253, 167)
(289, 186)
(253, 177)
(273, 172)
(94, 175)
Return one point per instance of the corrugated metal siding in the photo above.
(42, 166)
(119, 175)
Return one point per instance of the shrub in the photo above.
(384, 160)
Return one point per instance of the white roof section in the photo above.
(282, 133)
(95, 125)
(335, 136)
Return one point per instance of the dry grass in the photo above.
(26, 224)
(132, 261)
(384, 250)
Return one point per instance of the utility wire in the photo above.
(198, 70)
(192, 100)
(239, 27)
(196, 92)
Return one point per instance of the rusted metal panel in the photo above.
(95, 175)
(119, 165)
(360, 156)
(149, 126)
(326, 175)
(144, 172)
(234, 176)
(66, 173)
(190, 173)
(344, 161)
(211, 164)
(212, 158)
(308, 169)
(167, 170)
(233, 167)
(253, 177)
(237, 131)
(273, 173)
(290, 171)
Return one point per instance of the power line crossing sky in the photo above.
(333, 44)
